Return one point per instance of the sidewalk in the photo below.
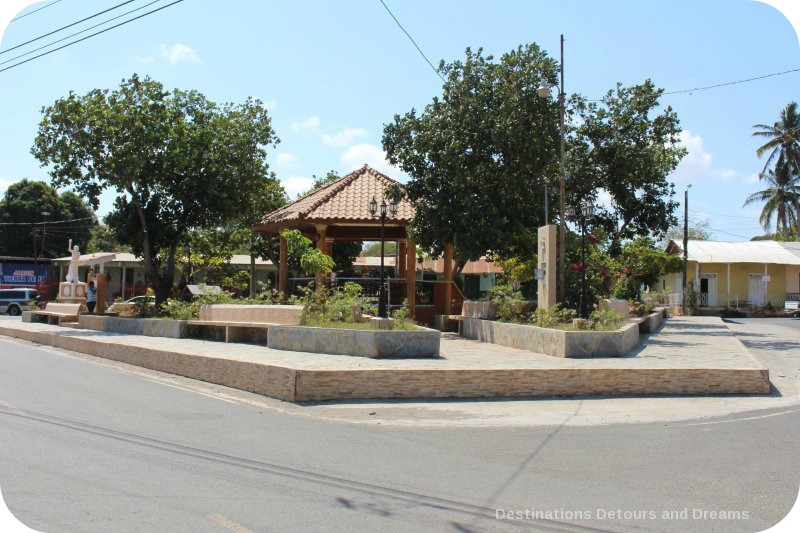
(692, 355)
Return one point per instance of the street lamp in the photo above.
(45, 214)
(543, 92)
(373, 210)
(586, 213)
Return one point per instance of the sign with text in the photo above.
(19, 274)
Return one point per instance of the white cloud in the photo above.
(145, 60)
(287, 160)
(310, 125)
(357, 155)
(698, 164)
(344, 137)
(752, 178)
(296, 185)
(179, 52)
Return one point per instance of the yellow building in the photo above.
(737, 274)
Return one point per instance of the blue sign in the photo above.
(22, 274)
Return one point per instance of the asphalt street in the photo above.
(92, 445)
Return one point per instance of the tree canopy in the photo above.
(483, 154)
(623, 146)
(478, 155)
(25, 231)
(176, 161)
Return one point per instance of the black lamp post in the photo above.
(373, 209)
(586, 212)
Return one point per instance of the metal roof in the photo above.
(770, 252)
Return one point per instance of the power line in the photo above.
(413, 42)
(734, 82)
(90, 36)
(34, 11)
(45, 222)
(78, 32)
(67, 26)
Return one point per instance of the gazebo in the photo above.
(339, 211)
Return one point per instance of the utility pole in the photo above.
(685, 247)
(562, 192)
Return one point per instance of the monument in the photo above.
(72, 290)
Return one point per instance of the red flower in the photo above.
(619, 275)
(592, 238)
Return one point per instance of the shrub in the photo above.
(510, 305)
(605, 320)
(554, 316)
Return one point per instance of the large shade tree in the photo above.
(625, 146)
(478, 155)
(175, 160)
(35, 220)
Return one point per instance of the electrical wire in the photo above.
(413, 41)
(67, 26)
(78, 32)
(733, 82)
(44, 222)
(90, 36)
(34, 11)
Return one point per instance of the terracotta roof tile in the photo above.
(345, 199)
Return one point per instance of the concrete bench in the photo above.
(56, 313)
(242, 323)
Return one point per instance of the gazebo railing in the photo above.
(396, 288)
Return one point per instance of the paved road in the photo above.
(91, 445)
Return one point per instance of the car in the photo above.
(15, 301)
(128, 304)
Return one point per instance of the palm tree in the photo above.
(781, 199)
(783, 144)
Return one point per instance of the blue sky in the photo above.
(333, 73)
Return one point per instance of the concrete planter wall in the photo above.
(382, 344)
(554, 342)
(151, 327)
(479, 309)
(653, 321)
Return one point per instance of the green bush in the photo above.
(510, 304)
(605, 320)
(554, 317)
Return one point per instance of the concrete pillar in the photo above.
(123, 283)
(546, 258)
(283, 267)
(411, 278)
(448, 278)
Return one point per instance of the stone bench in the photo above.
(242, 323)
(55, 313)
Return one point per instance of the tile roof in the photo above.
(344, 200)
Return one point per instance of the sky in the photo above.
(333, 73)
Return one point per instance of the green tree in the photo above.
(624, 147)
(782, 140)
(25, 231)
(302, 250)
(374, 249)
(698, 231)
(176, 160)
(478, 155)
(103, 240)
(780, 199)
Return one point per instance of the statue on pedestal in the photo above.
(72, 273)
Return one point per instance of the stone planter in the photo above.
(480, 309)
(555, 342)
(151, 327)
(378, 344)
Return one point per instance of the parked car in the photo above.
(15, 301)
(128, 304)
